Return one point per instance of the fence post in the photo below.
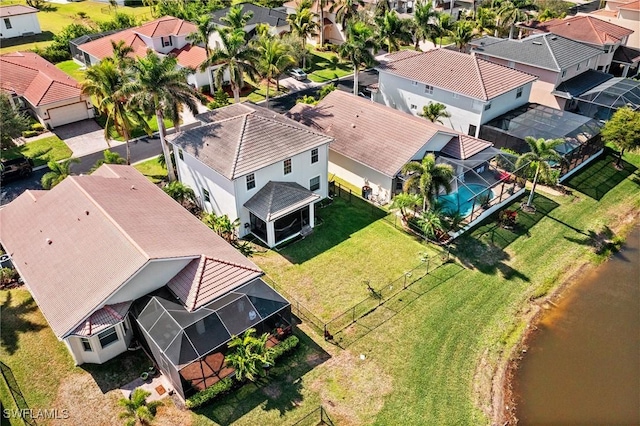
(349, 194)
(353, 314)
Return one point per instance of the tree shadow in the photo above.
(118, 371)
(600, 177)
(15, 322)
(281, 390)
(603, 242)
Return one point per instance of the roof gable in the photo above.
(166, 26)
(584, 28)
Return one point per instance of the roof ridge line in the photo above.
(226, 262)
(239, 147)
(303, 128)
(553, 53)
(593, 27)
(476, 62)
(112, 311)
(204, 265)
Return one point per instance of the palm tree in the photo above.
(434, 112)
(273, 59)
(424, 20)
(303, 25)
(250, 355)
(139, 411)
(509, 14)
(204, 28)
(357, 48)
(322, 4)
(404, 202)
(427, 177)
(442, 27)
(108, 157)
(157, 87)
(346, 10)
(222, 226)
(484, 21)
(57, 172)
(542, 151)
(462, 34)
(234, 57)
(179, 192)
(236, 19)
(393, 31)
(431, 223)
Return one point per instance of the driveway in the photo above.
(295, 86)
(83, 137)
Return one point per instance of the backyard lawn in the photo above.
(41, 151)
(72, 68)
(326, 66)
(152, 169)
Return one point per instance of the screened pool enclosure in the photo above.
(604, 100)
(189, 347)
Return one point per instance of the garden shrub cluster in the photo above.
(286, 346)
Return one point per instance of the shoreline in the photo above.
(502, 398)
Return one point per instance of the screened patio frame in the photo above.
(605, 99)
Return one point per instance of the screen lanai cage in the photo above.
(189, 347)
(604, 100)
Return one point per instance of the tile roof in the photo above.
(585, 28)
(375, 135)
(166, 26)
(102, 47)
(464, 146)
(277, 199)
(626, 55)
(190, 56)
(242, 138)
(579, 84)
(633, 5)
(261, 15)
(77, 244)
(548, 51)
(102, 319)
(38, 80)
(458, 72)
(15, 10)
(605, 12)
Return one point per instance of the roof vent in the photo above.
(86, 212)
(537, 43)
(357, 115)
(133, 187)
(554, 38)
(49, 241)
(353, 125)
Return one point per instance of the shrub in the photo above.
(37, 127)
(209, 393)
(286, 346)
(8, 277)
(29, 133)
(82, 14)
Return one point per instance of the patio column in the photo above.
(312, 214)
(271, 234)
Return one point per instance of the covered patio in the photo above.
(281, 211)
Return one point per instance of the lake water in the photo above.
(583, 364)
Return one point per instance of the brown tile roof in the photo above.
(102, 48)
(15, 10)
(102, 319)
(587, 29)
(190, 56)
(627, 55)
(463, 146)
(38, 80)
(634, 5)
(604, 12)
(166, 26)
(400, 54)
(372, 134)
(242, 138)
(458, 72)
(77, 244)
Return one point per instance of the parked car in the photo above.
(298, 74)
(15, 168)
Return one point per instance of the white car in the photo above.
(298, 74)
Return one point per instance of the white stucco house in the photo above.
(18, 20)
(255, 165)
(473, 90)
(623, 13)
(52, 96)
(165, 36)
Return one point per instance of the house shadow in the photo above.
(600, 177)
(118, 371)
(15, 321)
(281, 390)
(36, 38)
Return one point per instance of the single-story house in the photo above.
(109, 257)
(50, 94)
(255, 165)
(19, 20)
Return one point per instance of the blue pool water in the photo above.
(462, 200)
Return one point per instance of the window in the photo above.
(205, 195)
(487, 107)
(428, 89)
(86, 345)
(519, 93)
(456, 96)
(314, 183)
(314, 155)
(287, 166)
(251, 181)
(166, 41)
(472, 130)
(413, 106)
(7, 23)
(414, 83)
(578, 68)
(107, 337)
(180, 154)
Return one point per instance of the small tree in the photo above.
(542, 151)
(12, 122)
(404, 202)
(139, 411)
(222, 225)
(250, 355)
(623, 131)
(434, 112)
(109, 157)
(432, 224)
(180, 192)
(58, 172)
(427, 177)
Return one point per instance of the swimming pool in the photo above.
(462, 199)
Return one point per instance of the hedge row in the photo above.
(227, 383)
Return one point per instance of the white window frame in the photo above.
(107, 332)
(311, 188)
(251, 181)
(519, 92)
(180, 154)
(314, 156)
(487, 106)
(206, 196)
(7, 23)
(287, 165)
(428, 89)
(87, 347)
(414, 106)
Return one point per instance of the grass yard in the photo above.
(326, 66)
(328, 271)
(72, 68)
(41, 151)
(137, 132)
(55, 16)
(259, 94)
(152, 169)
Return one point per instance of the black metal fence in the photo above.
(317, 417)
(16, 394)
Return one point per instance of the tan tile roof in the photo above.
(15, 10)
(372, 134)
(604, 12)
(458, 72)
(166, 26)
(102, 48)
(634, 5)
(190, 56)
(102, 319)
(38, 80)
(587, 29)
(77, 244)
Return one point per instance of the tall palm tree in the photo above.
(462, 34)
(542, 152)
(427, 178)
(484, 21)
(346, 10)
(204, 28)
(157, 87)
(236, 19)
(303, 25)
(509, 14)
(394, 31)
(434, 112)
(234, 57)
(249, 355)
(57, 172)
(425, 18)
(138, 410)
(273, 59)
(442, 27)
(358, 47)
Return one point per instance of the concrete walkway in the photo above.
(159, 388)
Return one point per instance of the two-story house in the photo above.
(333, 31)
(255, 165)
(165, 36)
(474, 90)
(276, 19)
(564, 67)
(18, 20)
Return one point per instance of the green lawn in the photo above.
(72, 68)
(326, 66)
(55, 17)
(152, 170)
(259, 94)
(41, 151)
